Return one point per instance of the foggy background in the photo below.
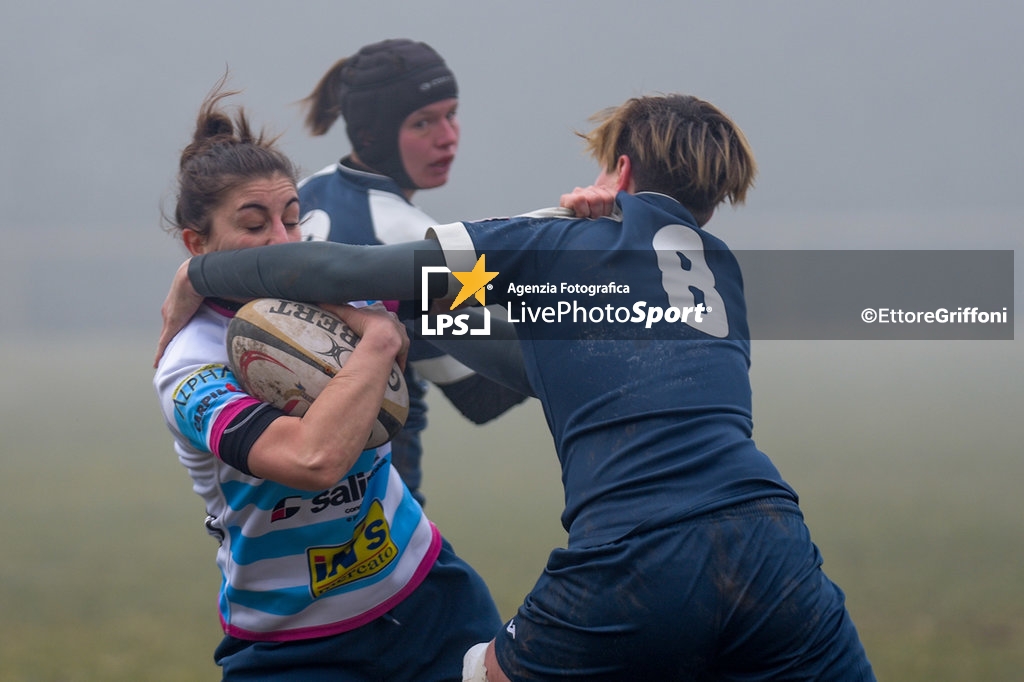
(876, 125)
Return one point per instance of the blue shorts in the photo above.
(737, 594)
(423, 638)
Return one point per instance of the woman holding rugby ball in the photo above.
(368, 589)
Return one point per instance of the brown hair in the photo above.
(677, 145)
(323, 105)
(224, 153)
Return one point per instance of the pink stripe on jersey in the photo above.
(224, 419)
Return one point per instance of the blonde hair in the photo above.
(677, 145)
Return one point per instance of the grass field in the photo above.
(907, 457)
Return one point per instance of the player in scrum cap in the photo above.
(399, 100)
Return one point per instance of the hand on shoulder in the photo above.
(589, 202)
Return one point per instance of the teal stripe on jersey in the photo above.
(247, 550)
(407, 517)
(263, 495)
(281, 543)
(282, 602)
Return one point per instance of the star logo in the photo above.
(474, 283)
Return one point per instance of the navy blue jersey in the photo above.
(351, 206)
(652, 425)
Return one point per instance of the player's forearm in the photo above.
(316, 450)
(315, 271)
(341, 418)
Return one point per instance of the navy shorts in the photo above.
(736, 594)
(423, 638)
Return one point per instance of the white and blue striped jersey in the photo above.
(295, 564)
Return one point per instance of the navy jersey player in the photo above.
(398, 99)
(687, 556)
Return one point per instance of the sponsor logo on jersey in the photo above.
(284, 509)
(370, 551)
(348, 494)
(198, 391)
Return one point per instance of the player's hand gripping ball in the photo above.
(284, 353)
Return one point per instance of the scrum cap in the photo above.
(380, 86)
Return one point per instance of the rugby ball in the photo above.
(284, 353)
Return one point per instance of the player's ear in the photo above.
(624, 171)
(194, 242)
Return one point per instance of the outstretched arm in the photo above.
(328, 272)
(323, 272)
(315, 271)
